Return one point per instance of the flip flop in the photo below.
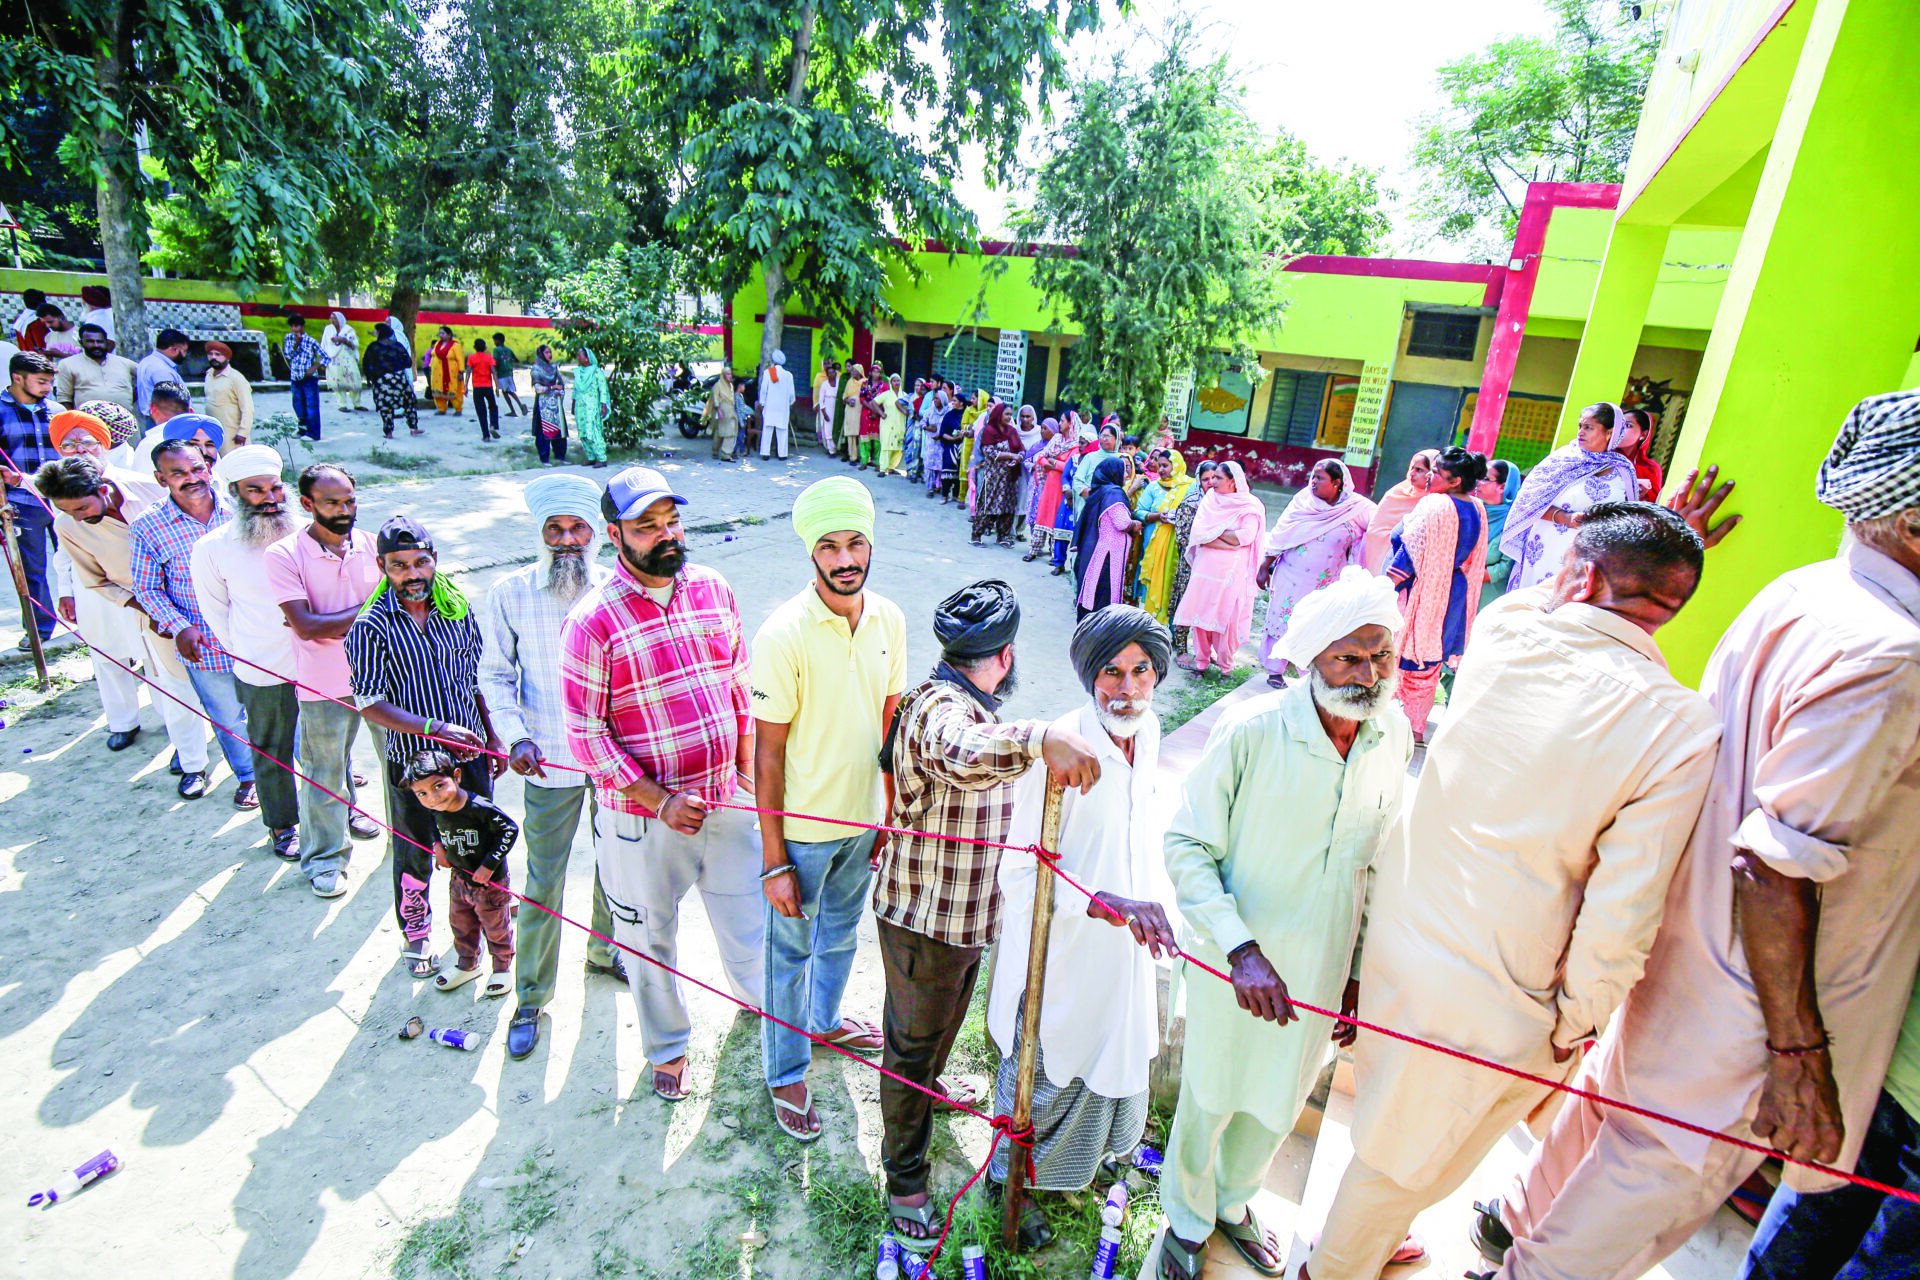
(677, 1082)
(1177, 1262)
(854, 1029)
(924, 1216)
(1411, 1250)
(781, 1107)
(414, 1029)
(498, 985)
(956, 1092)
(420, 964)
(1246, 1235)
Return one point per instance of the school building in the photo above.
(1756, 274)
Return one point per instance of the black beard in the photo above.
(838, 590)
(1010, 683)
(338, 526)
(663, 559)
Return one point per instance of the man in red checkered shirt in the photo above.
(653, 673)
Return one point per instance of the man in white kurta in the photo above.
(776, 405)
(1099, 1027)
(1816, 795)
(1520, 893)
(1279, 821)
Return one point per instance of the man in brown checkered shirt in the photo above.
(938, 902)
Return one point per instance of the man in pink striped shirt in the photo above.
(653, 674)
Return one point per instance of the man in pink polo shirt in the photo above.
(321, 576)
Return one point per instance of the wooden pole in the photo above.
(32, 624)
(1030, 1011)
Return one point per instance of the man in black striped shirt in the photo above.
(414, 652)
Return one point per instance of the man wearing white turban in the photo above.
(1808, 846)
(1269, 854)
(776, 405)
(229, 569)
(1514, 905)
(520, 679)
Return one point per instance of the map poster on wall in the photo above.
(1369, 406)
(1010, 370)
(1179, 398)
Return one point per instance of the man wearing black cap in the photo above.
(954, 765)
(414, 652)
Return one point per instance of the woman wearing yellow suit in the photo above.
(1161, 556)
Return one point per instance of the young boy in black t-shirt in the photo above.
(474, 838)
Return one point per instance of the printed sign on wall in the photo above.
(1179, 397)
(1010, 371)
(1369, 407)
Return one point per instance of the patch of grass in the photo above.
(393, 459)
(536, 1201)
(716, 1257)
(1192, 696)
(441, 1246)
(847, 1213)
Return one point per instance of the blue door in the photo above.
(1419, 416)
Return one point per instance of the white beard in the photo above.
(1126, 721)
(565, 577)
(1351, 702)
(259, 531)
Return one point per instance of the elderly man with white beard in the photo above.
(1270, 855)
(1099, 1026)
(230, 580)
(520, 678)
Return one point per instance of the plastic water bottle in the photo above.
(914, 1267)
(1114, 1211)
(1104, 1256)
(1147, 1161)
(69, 1183)
(973, 1263)
(455, 1039)
(888, 1268)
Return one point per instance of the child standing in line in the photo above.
(504, 363)
(475, 835)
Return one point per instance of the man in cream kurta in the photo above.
(1817, 686)
(1522, 889)
(1099, 1027)
(1279, 821)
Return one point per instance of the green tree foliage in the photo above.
(258, 111)
(1532, 109)
(1321, 208)
(1156, 180)
(814, 133)
(625, 306)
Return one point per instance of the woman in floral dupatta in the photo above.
(1439, 563)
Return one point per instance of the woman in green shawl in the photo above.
(591, 402)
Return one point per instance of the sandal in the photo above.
(420, 964)
(856, 1035)
(1177, 1262)
(781, 1107)
(456, 978)
(1411, 1250)
(498, 984)
(1249, 1235)
(674, 1088)
(1033, 1231)
(924, 1216)
(955, 1092)
(414, 1028)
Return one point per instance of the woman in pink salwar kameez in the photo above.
(1223, 549)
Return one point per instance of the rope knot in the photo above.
(1047, 856)
(1021, 1137)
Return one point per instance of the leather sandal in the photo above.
(1247, 1235)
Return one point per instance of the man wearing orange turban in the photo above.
(229, 395)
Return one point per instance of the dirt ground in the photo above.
(171, 991)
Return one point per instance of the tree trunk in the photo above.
(115, 199)
(403, 308)
(774, 265)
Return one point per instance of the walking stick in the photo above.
(1030, 1011)
(19, 568)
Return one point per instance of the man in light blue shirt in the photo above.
(158, 365)
(520, 679)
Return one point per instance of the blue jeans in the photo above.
(222, 702)
(1850, 1233)
(306, 404)
(808, 961)
(36, 550)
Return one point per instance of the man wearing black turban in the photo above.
(1099, 1031)
(953, 765)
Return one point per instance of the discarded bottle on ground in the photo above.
(1105, 1256)
(888, 1268)
(1114, 1211)
(973, 1263)
(454, 1038)
(1147, 1161)
(69, 1183)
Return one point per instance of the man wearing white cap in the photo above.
(1514, 907)
(653, 671)
(1269, 855)
(776, 404)
(520, 676)
(229, 567)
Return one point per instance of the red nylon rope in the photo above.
(1003, 1125)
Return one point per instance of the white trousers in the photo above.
(186, 729)
(768, 430)
(646, 868)
(112, 631)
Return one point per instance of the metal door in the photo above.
(1419, 416)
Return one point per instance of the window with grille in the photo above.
(1293, 411)
(968, 362)
(1443, 335)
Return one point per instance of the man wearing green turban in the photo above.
(829, 667)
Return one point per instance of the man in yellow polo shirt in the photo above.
(829, 667)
